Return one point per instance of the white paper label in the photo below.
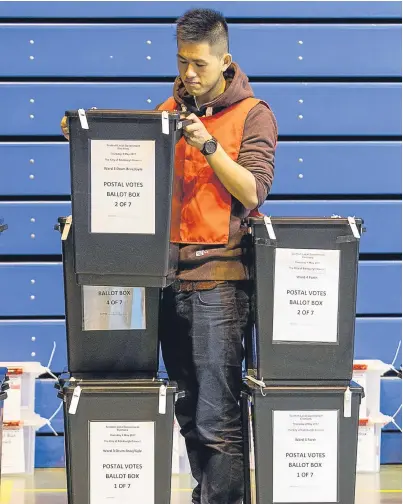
(113, 308)
(305, 452)
(12, 405)
(13, 456)
(306, 295)
(361, 379)
(123, 186)
(122, 462)
(368, 449)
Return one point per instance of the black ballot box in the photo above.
(122, 175)
(301, 444)
(118, 440)
(305, 287)
(111, 330)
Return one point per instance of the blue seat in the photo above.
(378, 338)
(303, 168)
(31, 224)
(46, 404)
(251, 9)
(33, 340)
(104, 50)
(379, 289)
(391, 448)
(381, 218)
(328, 108)
(49, 452)
(391, 400)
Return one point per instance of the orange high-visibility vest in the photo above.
(201, 205)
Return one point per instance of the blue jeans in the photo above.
(202, 346)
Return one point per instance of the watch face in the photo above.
(210, 147)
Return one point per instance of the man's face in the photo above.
(200, 67)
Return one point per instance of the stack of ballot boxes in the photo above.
(300, 406)
(117, 259)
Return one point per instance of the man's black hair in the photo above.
(203, 25)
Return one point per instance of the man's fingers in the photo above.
(191, 117)
(192, 127)
(65, 127)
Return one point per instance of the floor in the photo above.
(48, 487)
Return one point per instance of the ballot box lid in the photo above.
(305, 221)
(318, 389)
(96, 114)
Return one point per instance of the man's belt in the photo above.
(196, 285)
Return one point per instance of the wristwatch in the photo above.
(209, 147)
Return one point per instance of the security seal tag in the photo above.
(269, 227)
(165, 123)
(66, 228)
(354, 228)
(75, 400)
(162, 406)
(83, 119)
(347, 403)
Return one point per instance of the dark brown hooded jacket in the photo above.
(226, 262)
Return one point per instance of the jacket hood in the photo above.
(237, 89)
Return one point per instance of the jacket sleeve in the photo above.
(258, 148)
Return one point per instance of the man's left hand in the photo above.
(196, 133)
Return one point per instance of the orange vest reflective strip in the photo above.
(201, 205)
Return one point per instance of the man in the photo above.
(224, 169)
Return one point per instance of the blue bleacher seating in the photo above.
(252, 9)
(328, 108)
(31, 224)
(42, 168)
(105, 50)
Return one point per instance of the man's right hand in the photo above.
(65, 127)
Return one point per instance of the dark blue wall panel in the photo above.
(379, 288)
(391, 400)
(347, 108)
(31, 227)
(391, 448)
(33, 341)
(32, 289)
(378, 338)
(304, 168)
(382, 219)
(46, 405)
(34, 168)
(136, 50)
(49, 452)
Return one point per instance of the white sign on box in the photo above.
(306, 295)
(305, 454)
(113, 308)
(122, 462)
(368, 449)
(12, 406)
(13, 451)
(123, 186)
